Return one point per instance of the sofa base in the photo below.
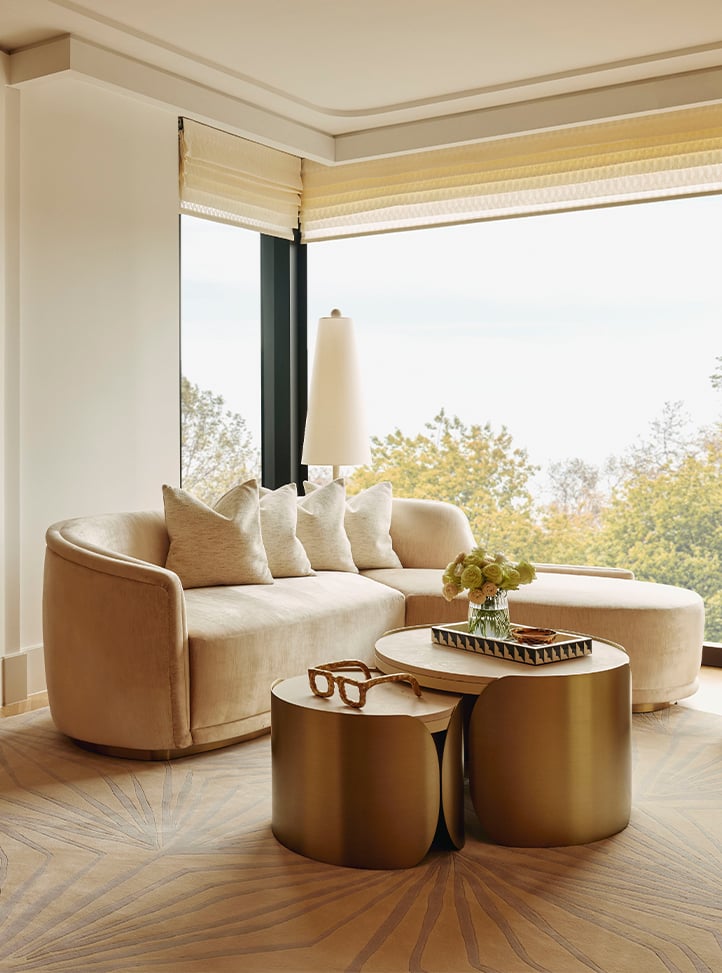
(127, 753)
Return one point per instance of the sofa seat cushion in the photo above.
(660, 626)
(242, 638)
(425, 604)
(581, 603)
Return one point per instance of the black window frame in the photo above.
(284, 359)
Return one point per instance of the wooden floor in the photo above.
(707, 698)
(709, 695)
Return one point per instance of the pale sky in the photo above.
(572, 330)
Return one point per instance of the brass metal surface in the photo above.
(550, 759)
(547, 748)
(363, 788)
(650, 707)
(452, 779)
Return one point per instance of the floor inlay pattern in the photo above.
(117, 865)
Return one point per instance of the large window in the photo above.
(220, 356)
(558, 376)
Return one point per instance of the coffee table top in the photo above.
(388, 699)
(455, 670)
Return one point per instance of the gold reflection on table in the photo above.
(550, 759)
(366, 788)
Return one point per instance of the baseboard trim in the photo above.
(22, 675)
(36, 701)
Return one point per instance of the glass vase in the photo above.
(490, 618)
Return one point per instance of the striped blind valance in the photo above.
(230, 179)
(657, 156)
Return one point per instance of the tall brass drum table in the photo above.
(549, 746)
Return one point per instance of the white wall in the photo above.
(9, 358)
(99, 329)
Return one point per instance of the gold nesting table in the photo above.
(371, 787)
(548, 746)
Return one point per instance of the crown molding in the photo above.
(644, 97)
(72, 57)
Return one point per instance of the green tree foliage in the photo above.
(669, 442)
(662, 519)
(217, 449)
(667, 526)
(565, 538)
(571, 518)
(471, 466)
(575, 488)
(661, 516)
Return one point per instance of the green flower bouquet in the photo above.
(488, 578)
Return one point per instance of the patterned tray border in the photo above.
(458, 637)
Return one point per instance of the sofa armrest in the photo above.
(588, 569)
(429, 533)
(116, 647)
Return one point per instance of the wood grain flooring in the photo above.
(116, 865)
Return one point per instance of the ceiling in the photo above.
(343, 67)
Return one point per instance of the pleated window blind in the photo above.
(232, 180)
(650, 157)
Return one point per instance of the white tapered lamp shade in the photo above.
(336, 433)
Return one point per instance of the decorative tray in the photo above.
(565, 645)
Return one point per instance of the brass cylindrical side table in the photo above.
(371, 787)
(549, 746)
(550, 757)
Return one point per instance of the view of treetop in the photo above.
(654, 508)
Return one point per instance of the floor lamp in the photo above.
(336, 433)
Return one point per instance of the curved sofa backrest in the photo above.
(429, 533)
(140, 534)
(425, 533)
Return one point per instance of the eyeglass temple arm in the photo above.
(394, 677)
(345, 664)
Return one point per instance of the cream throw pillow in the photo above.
(218, 546)
(321, 531)
(286, 555)
(367, 522)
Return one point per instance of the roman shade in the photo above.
(657, 156)
(232, 180)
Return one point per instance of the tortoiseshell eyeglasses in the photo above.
(323, 681)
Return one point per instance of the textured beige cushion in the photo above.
(367, 523)
(321, 530)
(286, 555)
(216, 546)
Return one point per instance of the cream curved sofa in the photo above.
(138, 666)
